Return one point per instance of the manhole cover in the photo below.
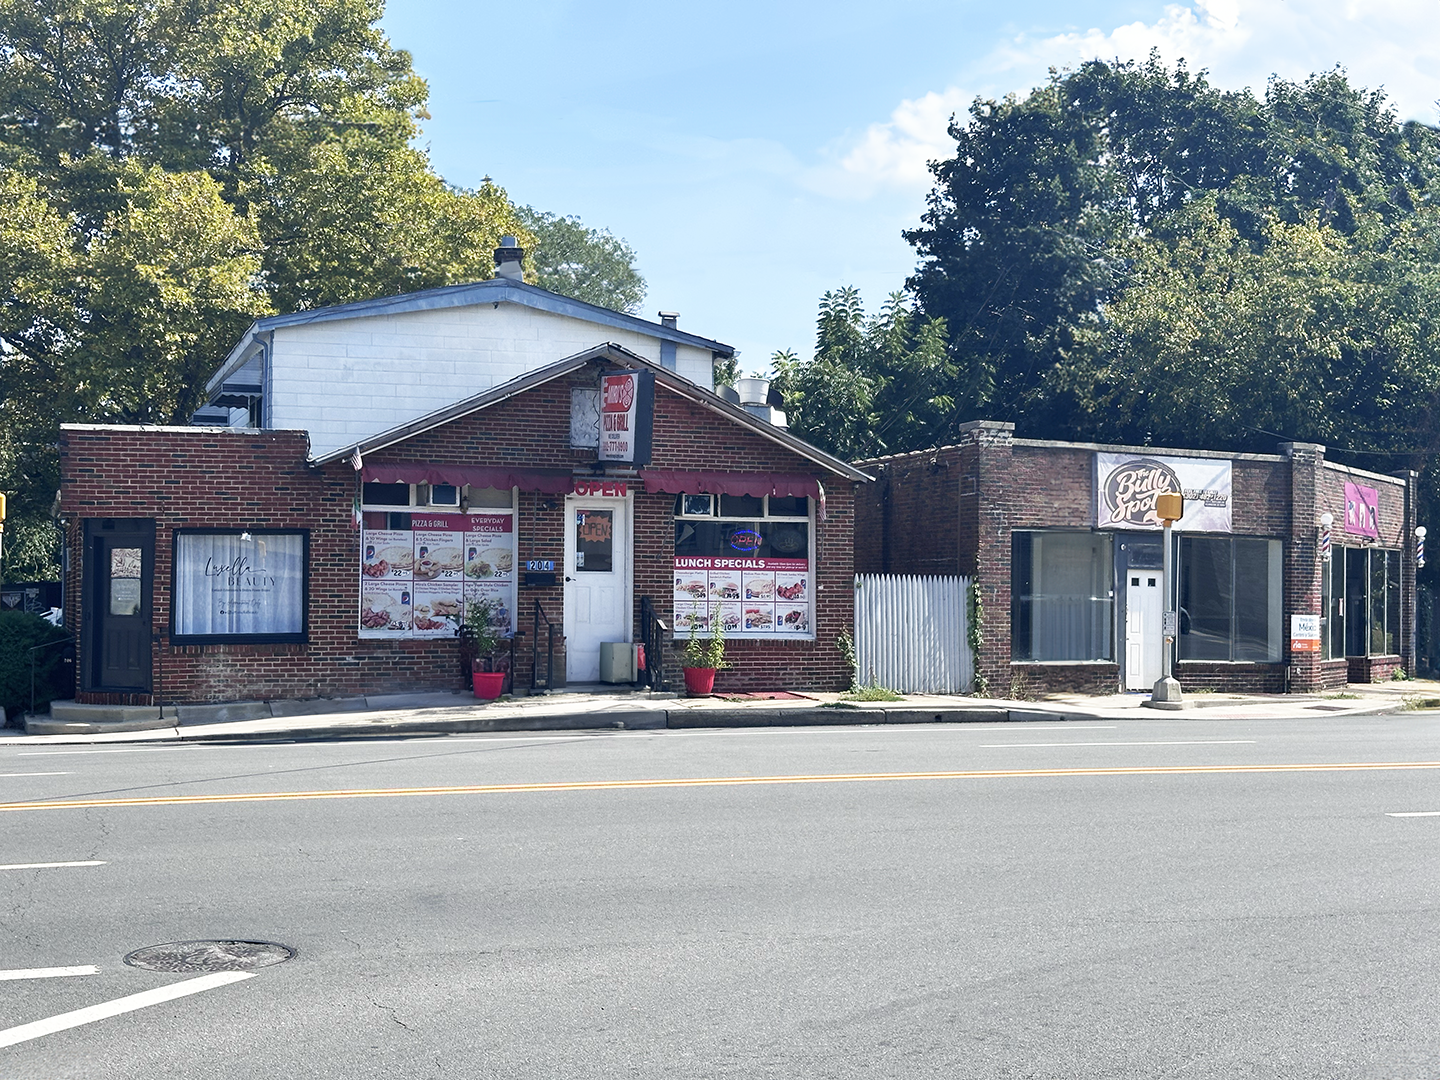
(209, 956)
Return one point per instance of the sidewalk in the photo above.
(449, 713)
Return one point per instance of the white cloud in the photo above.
(917, 132)
(1240, 42)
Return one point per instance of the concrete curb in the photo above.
(236, 728)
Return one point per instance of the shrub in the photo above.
(19, 633)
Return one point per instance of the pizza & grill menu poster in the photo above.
(754, 597)
(415, 583)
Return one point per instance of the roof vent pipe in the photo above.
(669, 318)
(509, 259)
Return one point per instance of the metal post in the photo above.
(1167, 629)
(1166, 693)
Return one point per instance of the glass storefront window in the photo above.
(745, 562)
(1361, 591)
(240, 586)
(1230, 599)
(1061, 602)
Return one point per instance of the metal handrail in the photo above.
(652, 634)
(549, 651)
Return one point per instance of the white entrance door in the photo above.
(597, 581)
(1143, 648)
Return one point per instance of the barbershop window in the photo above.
(1360, 600)
(1230, 599)
(1061, 601)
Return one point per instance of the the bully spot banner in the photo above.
(1128, 485)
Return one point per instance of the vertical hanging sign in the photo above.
(627, 415)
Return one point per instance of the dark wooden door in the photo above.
(120, 587)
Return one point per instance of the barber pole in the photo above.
(1325, 523)
(1420, 548)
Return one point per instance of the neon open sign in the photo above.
(746, 540)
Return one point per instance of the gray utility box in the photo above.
(618, 662)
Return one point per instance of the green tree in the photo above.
(172, 169)
(589, 264)
(874, 384)
(1026, 242)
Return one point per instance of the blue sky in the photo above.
(757, 154)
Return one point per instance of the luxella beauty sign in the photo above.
(627, 413)
(1128, 486)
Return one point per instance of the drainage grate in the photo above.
(188, 956)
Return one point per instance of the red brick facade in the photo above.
(197, 478)
(952, 510)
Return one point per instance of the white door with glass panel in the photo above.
(1143, 647)
(597, 581)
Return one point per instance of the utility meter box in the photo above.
(618, 662)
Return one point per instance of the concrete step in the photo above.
(74, 712)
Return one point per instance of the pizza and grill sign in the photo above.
(627, 414)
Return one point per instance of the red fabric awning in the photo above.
(546, 481)
(706, 482)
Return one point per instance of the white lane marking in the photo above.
(9, 774)
(1417, 813)
(105, 1010)
(64, 753)
(1187, 742)
(50, 865)
(49, 973)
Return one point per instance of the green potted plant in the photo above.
(704, 657)
(481, 638)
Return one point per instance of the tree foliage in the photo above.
(868, 389)
(1115, 252)
(1130, 254)
(172, 169)
(589, 264)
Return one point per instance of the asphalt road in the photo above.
(1149, 898)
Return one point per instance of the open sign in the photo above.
(746, 540)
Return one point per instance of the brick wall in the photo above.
(1001, 485)
(259, 480)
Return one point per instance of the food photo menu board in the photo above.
(415, 583)
(758, 597)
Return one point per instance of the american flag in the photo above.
(355, 459)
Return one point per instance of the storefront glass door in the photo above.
(597, 581)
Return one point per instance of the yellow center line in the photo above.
(713, 781)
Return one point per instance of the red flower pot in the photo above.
(699, 681)
(488, 684)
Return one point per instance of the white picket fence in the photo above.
(910, 633)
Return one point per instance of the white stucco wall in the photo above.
(346, 379)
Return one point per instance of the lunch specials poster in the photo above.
(415, 582)
(750, 597)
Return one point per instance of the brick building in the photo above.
(1063, 542)
(212, 564)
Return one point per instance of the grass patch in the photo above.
(1341, 697)
(1410, 704)
(870, 693)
